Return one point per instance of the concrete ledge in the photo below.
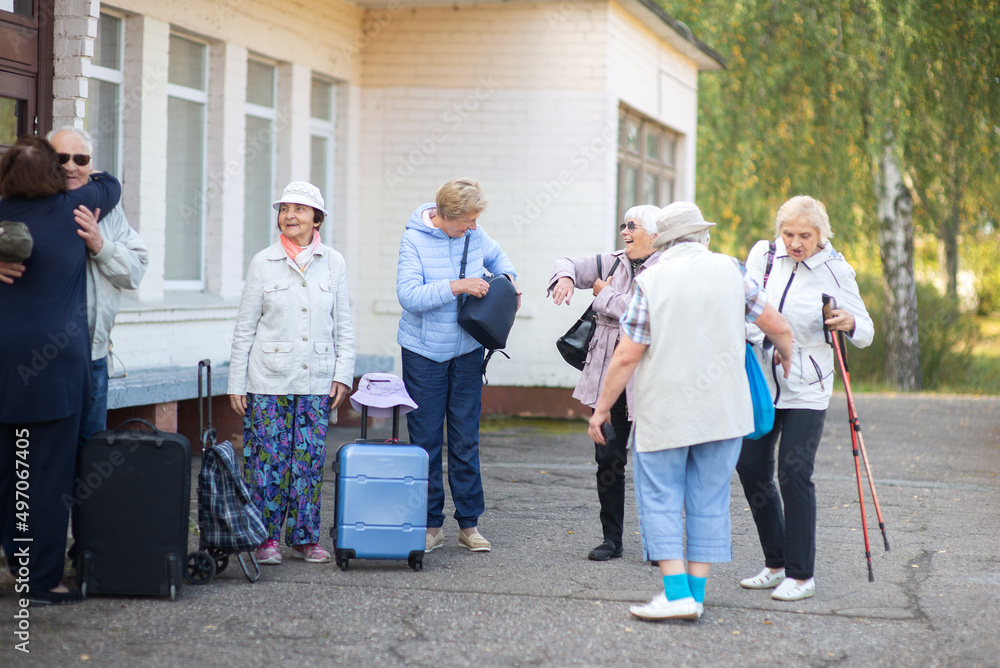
(143, 387)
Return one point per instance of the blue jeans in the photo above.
(686, 489)
(452, 390)
(95, 412)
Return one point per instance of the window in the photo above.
(321, 135)
(19, 7)
(259, 226)
(187, 99)
(646, 158)
(104, 112)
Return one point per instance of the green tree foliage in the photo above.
(830, 99)
(954, 147)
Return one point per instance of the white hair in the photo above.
(699, 237)
(645, 215)
(82, 134)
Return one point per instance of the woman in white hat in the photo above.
(292, 364)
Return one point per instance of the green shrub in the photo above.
(947, 338)
(982, 256)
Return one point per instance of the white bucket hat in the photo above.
(301, 192)
(677, 220)
(381, 392)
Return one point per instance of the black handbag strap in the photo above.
(771, 249)
(611, 273)
(461, 273)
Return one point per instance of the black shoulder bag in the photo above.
(488, 319)
(575, 343)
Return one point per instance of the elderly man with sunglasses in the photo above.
(117, 259)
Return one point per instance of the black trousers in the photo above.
(35, 499)
(787, 535)
(611, 460)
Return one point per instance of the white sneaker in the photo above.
(660, 608)
(793, 590)
(764, 580)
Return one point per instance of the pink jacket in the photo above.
(610, 304)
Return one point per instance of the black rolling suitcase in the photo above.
(134, 491)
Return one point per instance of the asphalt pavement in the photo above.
(536, 599)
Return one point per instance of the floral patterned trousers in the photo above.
(284, 445)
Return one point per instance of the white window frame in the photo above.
(201, 97)
(327, 129)
(117, 77)
(270, 114)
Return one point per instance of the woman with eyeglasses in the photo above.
(612, 290)
(46, 352)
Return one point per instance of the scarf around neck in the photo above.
(298, 254)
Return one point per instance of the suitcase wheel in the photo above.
(200, 568)
(221, 559)
(416, 561)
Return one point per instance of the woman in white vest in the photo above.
(803, 267)
(683, 335)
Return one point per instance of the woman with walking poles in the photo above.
(796, 270)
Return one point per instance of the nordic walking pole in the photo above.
(840, 349)
(828, 304)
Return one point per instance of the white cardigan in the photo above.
(293, 332)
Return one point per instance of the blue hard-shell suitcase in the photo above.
(381, 499)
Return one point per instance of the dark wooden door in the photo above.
(25, 68)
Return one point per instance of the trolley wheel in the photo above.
(221, 559)
(416, 563)
(200, 568)
(173, 592)
(83, 589)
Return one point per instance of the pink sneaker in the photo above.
(268, 553)
(312, 553)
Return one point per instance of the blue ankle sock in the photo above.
(697, 586)
(676, 586)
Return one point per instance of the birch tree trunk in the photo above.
(895, 235)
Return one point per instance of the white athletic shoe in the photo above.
(764, 580)
(793, 590)
(660, 608)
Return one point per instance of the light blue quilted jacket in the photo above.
(428, 261)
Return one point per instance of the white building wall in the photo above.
(513, 95)
(157, 327)
(658, 81)
(523, 96)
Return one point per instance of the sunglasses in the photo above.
(630, 226)
(79, 158)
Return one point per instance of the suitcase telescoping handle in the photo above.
(395, 423)
(206, 431)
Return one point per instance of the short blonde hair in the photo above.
(809, 208)
(460, 198)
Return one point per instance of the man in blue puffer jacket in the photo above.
(441, 362)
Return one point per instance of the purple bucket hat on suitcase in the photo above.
(381, 392)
